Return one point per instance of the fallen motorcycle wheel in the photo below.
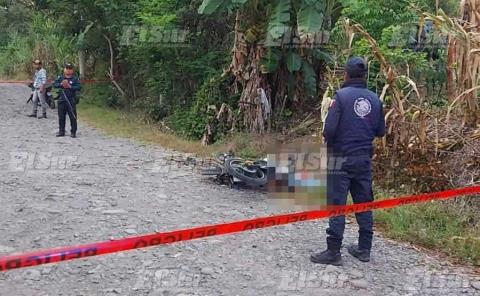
(250, 175)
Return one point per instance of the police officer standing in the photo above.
(354, 119)
(68, 84)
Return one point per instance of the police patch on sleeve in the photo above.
(362, 107)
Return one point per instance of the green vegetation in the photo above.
(133, 124)
(169, 57)
(445, 226)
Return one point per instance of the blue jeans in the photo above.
(355, 176)
(38, 96)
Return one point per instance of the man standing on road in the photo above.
(355, 118)
(39, 89)
(68, 84)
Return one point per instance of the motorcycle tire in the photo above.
(255, 178)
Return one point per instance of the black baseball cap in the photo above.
(68, 66)
(356, 67)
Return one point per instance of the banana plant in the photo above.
(289, 60)
(285, 17)
(309, 13)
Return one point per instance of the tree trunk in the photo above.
(111, 72)
(81, 63)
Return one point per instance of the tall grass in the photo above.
(16, 56)
(445, 226)
(42, 41)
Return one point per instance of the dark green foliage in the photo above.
(167, 76)
(102, 95)
(190, 121)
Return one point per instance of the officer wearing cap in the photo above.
(39, 89)
(354, 119)
(69, 85)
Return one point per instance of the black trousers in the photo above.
(65, 108)
(353, 174)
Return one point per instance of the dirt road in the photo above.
(56, 192)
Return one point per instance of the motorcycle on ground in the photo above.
(233, 171)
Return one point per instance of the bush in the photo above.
(191, 122)
(99, 95)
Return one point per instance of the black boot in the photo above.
(32, 115)
(327, 257)
(43, 116)
(60, 134)
(362, 255)
(73, 135)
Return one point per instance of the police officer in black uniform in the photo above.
(355, 118)
(68, 85)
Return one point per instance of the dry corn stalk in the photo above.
(397, 114)
(463, 59)
(406, 127)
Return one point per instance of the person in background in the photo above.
(69, 85)
(354, 119)
(39, 89)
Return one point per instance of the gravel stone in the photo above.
(33, 274)
(356, 274)
(115, 212)
(476, 284)
(130, 231)
(361, 284)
